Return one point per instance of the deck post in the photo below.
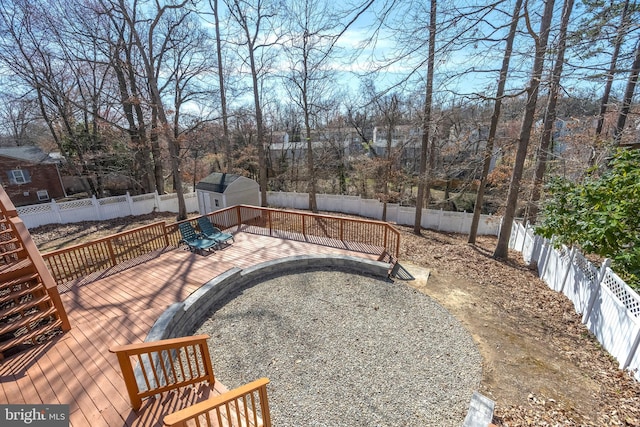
(112, 254)
(129, 380)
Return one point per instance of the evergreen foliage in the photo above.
(601, 215)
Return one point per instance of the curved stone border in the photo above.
(181, 318)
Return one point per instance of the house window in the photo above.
(19, 176)
(43, 195)
(217, 203)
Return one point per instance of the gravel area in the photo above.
(346, 350)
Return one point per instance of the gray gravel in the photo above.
(346, 350)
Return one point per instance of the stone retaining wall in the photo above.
(182, 318)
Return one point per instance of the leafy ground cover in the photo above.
(540, 364)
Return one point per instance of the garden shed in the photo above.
(222, 190)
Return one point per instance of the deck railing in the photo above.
(155, 367)
(360, 235)
(245, 406)
(80, 261)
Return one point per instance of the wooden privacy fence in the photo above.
(245, 406)
(155, 367)
(82, 261)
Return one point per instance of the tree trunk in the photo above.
(628, 97)
(550, 115)
(423, 180)
(502, 247)
(228, 162)
(622, 29)
(493, 127)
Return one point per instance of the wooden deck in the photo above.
(120, 308)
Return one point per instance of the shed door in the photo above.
(207, 202)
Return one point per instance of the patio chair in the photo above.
(209, 231)
(194, 242)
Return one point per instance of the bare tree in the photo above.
(28, 49)
(495, 117)
(151, 49)
(428, 146)
(388, 107)
(259, 34)
(541, 40)
(226, 143)
(622, 30)
(550, 113)
(628, 96)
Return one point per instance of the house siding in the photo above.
(44, 176)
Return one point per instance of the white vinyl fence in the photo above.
(102, 209)
(609, 307)
(453, 222)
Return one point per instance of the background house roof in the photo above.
(29, 153)
(217, 182)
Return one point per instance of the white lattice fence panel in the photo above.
(191, 202)
(520, 236)
(542, 255)
(37, 215)
(615, 317)
(556, 268)
(78, 210)
(581, 283)
(453, 222)
(114, 207)
(528, 245)
(143, 204)
(406, 215)
(488, 224)
(370, 208)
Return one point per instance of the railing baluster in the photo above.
(255, 409)
(219, 415)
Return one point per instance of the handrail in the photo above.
(163, 365)
(360, 235)
(81, 260)
(238, 407)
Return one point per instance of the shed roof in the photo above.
(29, 153)
(217, 182)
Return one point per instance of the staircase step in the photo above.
(9, 252)
(23, 290)
(15, 269)
(29, 337)
(8, 284)
(27, 322)
(25, 306)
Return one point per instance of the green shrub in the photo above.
(600, 215)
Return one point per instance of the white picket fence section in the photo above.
(609, 307)
(452, 222)
(102, 209)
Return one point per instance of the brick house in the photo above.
(29, 175)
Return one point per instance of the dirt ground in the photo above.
(541, 366)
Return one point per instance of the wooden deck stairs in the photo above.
(30, 308)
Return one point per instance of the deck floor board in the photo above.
(119, 308)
